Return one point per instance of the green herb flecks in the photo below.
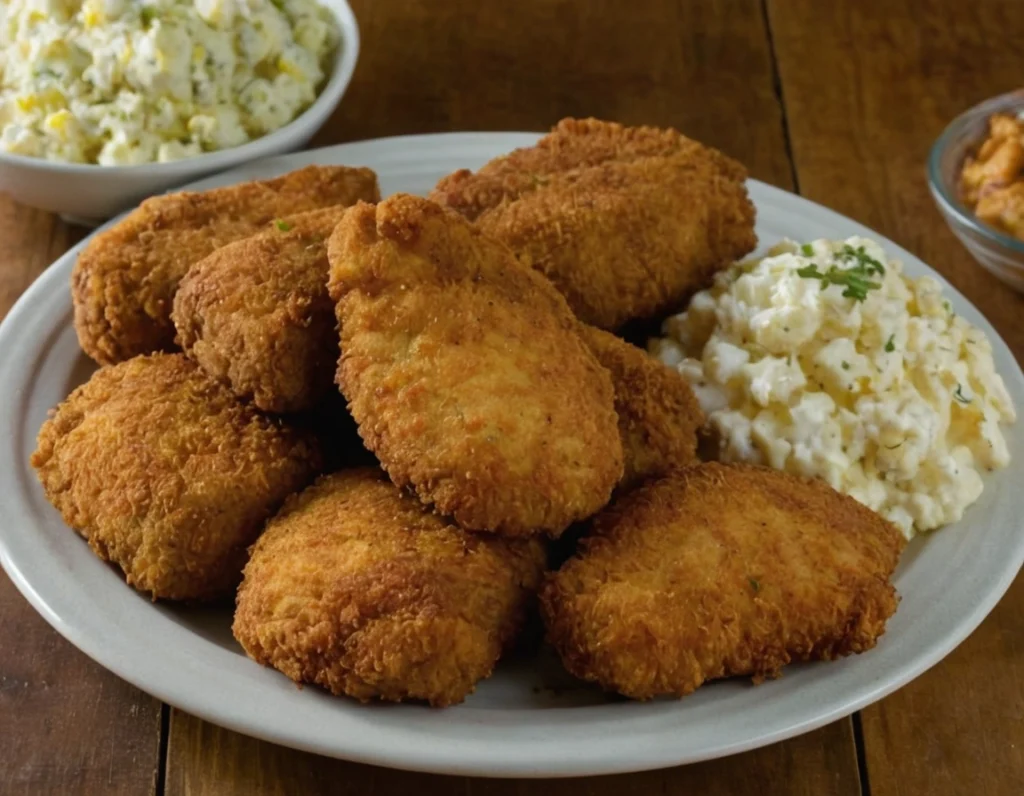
(889, 345)
(284, 226)
(854, 280)
(862, 258)
(846, 366)
(755, 584)
(147, 15)
(807, 250)
(958, 394)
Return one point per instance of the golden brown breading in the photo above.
(659, 416)
(125, 278)
(721, 570)
(466, 372)
(628, 240)
(167, 475)
(572, 144)
(360, 589)
(256, 315)
(626, 222)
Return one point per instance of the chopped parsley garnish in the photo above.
(854, 280)
(893, 447)
(958, 393)
(284, 226)
(807, 250)
(889, 346)
(755, 584)
(147, 15)
(862, 258)
(846, 366)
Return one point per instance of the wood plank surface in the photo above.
(67, 725)
(702, 67)
(466, 65)
(868, 87)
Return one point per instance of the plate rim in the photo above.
(46, 286)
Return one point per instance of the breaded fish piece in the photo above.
(623, 234)
(255, 314)
(625, 241)
(659, 416)
(362, 590)
(466, 372)
(167, 475)
(718, 571)
(125, 279)
(572, 145)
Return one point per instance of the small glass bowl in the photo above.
(1000, 253)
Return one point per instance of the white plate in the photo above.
(530, 719)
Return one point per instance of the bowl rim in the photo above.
(951, 204)
(346, 55)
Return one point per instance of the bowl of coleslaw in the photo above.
(106, 102)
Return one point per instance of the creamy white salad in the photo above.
(824, 360)
(117, 82)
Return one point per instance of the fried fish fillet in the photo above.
(125, 279)
(466, 372)
(362, 590)
(626, 222)
(571, 146)
(166, 474)
(721, 570)
(255, 314)
(659, 416)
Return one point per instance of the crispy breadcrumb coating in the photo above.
(167, 475)
(125, 278)
(721, 570)
(572, 146)
(659, 416)
(255, 314)
(466, 372)
(626, 222)
(360, 589)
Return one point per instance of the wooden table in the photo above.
(839, 101)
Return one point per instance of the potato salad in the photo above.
(824, 360)
(117, 82)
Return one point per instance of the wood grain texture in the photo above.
(29, 241)
(66, 725)
(204, 760)
(703, 67)
(868, 87)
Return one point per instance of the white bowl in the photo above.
(90, 193)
